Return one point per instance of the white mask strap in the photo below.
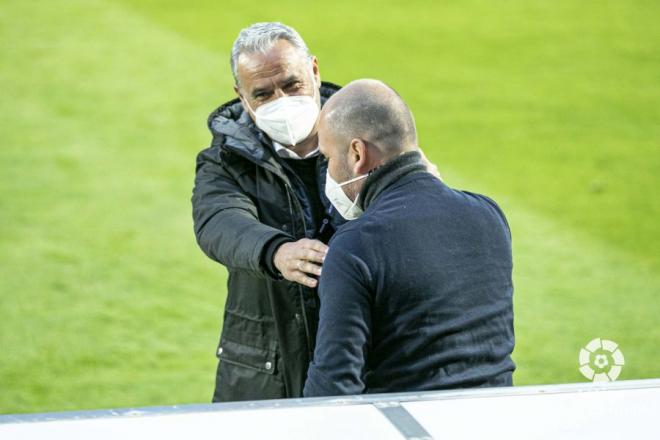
(355, 179)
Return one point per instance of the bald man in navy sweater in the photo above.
(416, 289)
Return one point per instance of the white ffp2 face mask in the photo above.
(289, 119)
(345, 206)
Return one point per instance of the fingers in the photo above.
(314, 245)
(311, 250)
(310, 255)
(300, 278)
(306, 267)
(298, 260)
(318, 246)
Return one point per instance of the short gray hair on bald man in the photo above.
(259, 37)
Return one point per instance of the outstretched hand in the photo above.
(298, 259)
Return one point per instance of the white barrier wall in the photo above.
(625, 409)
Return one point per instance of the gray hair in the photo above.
(259, 37)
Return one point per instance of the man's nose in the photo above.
(279, 93)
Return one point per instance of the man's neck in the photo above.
(307, 146)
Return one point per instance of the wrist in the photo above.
(270, 253)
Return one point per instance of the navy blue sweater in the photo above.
(416, 294)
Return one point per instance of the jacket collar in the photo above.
(389, 173)
(239, 133)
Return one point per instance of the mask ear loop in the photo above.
(355, 179)
(357, 197)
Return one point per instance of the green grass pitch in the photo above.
(550, 107)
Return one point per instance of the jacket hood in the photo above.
(231, 126)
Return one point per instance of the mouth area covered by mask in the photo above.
(288, 120)
(346, 207)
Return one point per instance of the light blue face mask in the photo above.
(346, 207)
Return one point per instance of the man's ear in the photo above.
(315, 70)
(358, 157)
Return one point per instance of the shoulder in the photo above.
(223, 160)
(490, 205)
(231, 110)
(361, 232)
(483, 200)
(216, 156)
(348, 235)
(348, 262)
(210, 154)
(357, 240)
(216, 164)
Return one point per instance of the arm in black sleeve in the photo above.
(343, 338)
(268, 256)
(225, 218)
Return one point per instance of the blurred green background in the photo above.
(550, 107)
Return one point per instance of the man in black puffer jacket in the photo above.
(259, 209)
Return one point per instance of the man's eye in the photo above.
(293, 85)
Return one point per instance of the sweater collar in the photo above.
(387, 174)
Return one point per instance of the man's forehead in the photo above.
(281, 59)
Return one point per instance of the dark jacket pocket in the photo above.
(247, 356)
(247, 373)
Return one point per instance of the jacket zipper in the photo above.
(289, 190)
(301, 296)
